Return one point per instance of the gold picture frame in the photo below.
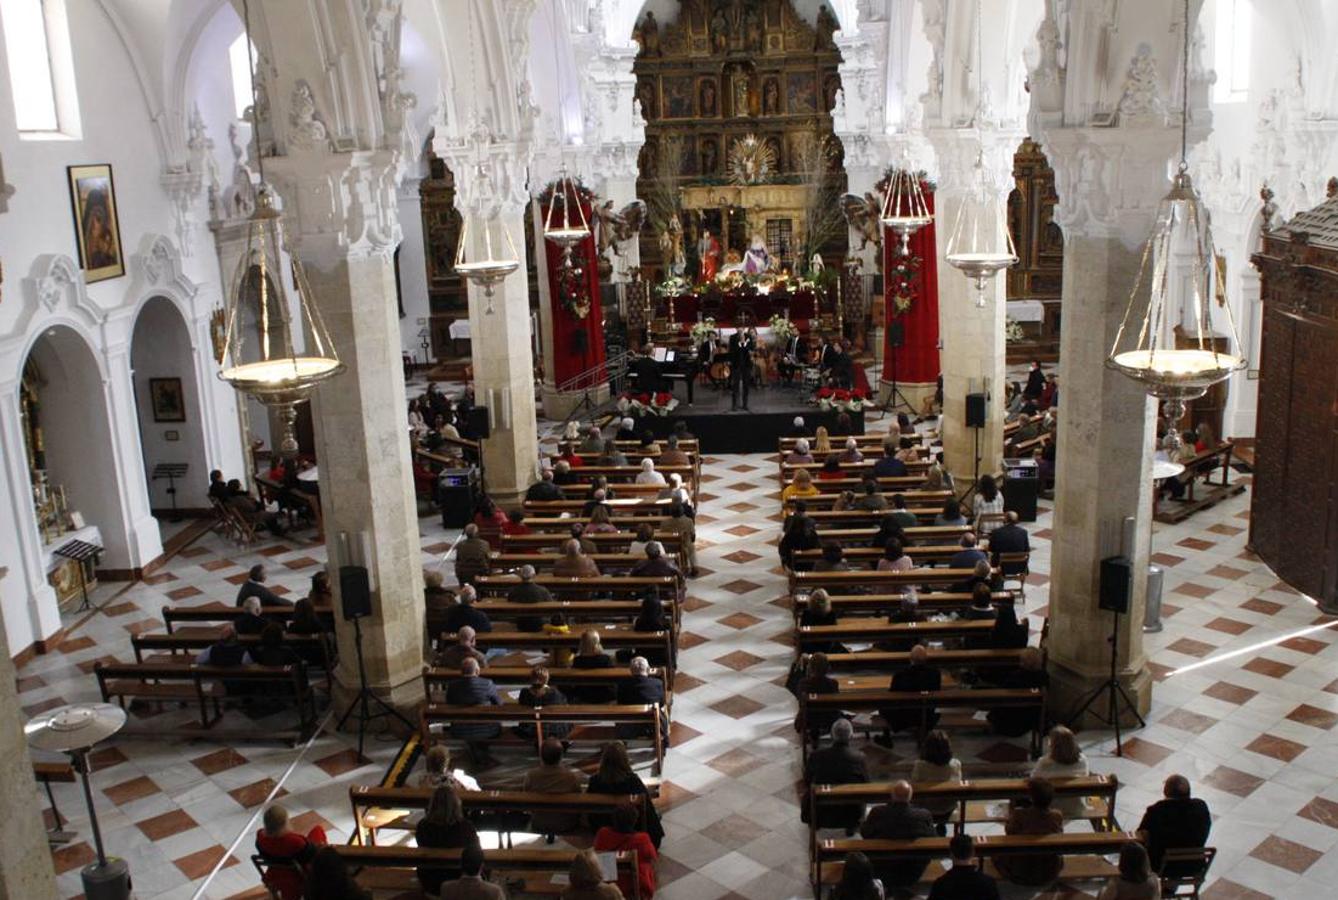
(97, 227)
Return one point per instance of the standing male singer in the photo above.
(741, 345)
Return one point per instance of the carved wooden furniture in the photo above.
(1293, 524)
(1039, 273)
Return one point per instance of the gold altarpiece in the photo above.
(1039, 273)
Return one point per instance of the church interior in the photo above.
(685, 448)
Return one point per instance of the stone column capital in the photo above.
(338, 205)
(491, 174)
(957, 150)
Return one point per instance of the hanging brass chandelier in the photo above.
(1145, 347)
(904, 209)
(259, 352)
(567, 231)
(979, 245)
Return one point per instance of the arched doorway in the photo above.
(167, 405)
(71, 455)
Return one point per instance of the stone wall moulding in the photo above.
(54, 291)
(156, 271)
(339, 206)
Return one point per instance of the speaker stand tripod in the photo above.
(1117, 698)
(364, 700)
(895, 399)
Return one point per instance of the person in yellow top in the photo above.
(802, 486)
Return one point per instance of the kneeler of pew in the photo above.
(613, 638)
(873, 579)
(972, 797)
(392, 868)
(435, 680)
(882, 604)
(571, 610)
(1084, 853)
(868, 556)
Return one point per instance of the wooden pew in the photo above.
(617, 475)
(882, 604)
(851, 470)
(273, 492)
(867, 631)
(916, 497)
(911, 537)
(1203, 466)
(192, 639)
(172, 682)
(607, 562)
(832, 853)
(619, 509)
(375, 808)
(435, 680)
(867, 557)
(226, 612)
(867, 442)
(871, 578)
(498, 862)
(605, 541)
(571, 610)
(612, 639)
(972, 699)
(556, 523)
(888, 661)
(891, 484)
(49, 773)
(845, 518)
(968, 795)
(665, 586)
(647, 715)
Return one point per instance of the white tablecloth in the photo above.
(89, 534)
(1025, 310)
(459, 330)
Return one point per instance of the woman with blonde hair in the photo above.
(591, 655)
(1063, 759)
(822, 441)
(586, 880)
(801, 486)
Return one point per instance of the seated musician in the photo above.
(917, 677)
(647, 371)
(795, 356)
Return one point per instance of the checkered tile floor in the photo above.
(1252, 726)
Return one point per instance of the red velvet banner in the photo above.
(578, 343)
(917, 359)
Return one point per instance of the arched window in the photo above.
(239, 63)
(1231, 50)
(41, 68)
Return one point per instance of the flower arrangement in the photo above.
(1013, 331)
(647, 404)
(842, 399)
(701, 329)
(674, 286)
(902, 283)
(782, 328)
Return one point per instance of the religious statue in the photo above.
(816, 265)
(771, 98)
(710, 154)
(826, 27)
(707, 104)
(752, 30)
(830, 87)
(648, 35)
(708, 250)
(671, 248)
(741, 94)
(719, 31)
(756, 260)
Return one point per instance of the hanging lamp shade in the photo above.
(979, 244)
(1145, 347)
(485, 254)
(904, 208)
(564, 229)
(259, 355)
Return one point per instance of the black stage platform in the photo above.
(770, 415)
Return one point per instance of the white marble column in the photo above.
(972, 360)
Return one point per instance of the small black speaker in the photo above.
(478, 422)
(1117, 580)
(355, 592)
(896, 334)
(975, 410)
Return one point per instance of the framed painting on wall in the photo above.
(169, 405)
(97, 229)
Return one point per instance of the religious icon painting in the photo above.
(167, 399)
(677, 98)
(802, 90)
(97, 228)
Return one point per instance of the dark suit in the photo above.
(967, 558)
(837, 764)
(889, 467)
(647, 372)
(1009, 539)
(256, 589)
(637, 690)
(913, 679)
(796, 355)
(828, 357)
(899, 821)
(1035, 383)
(474, 691)
(461, 615)
(1175, 823)
(529, 592)
(544, 490)
(740, 367)
(964, 883)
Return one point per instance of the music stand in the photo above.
(80, 552)
(171, 471)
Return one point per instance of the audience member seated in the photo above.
(681, 524)
(593, 444)
(964, 881)
(272, 650)
(637, 689)
(908, 610)
(672, 456)
(540, 693)
(615, 777)
(545, 488)
(800, 455)
(889, 526)
(830, 471)
(833, 559)
(798, 428)
(872, 500)
(818, 611)
(250, 621)
(951, 515)
(471, 884)
(917, 677)
(454, 656)
(528, 592)
(1063, 759)
(563, 475)
(675, 491)
(567, 454)
(822, 441)
(936, 764)
(612, 456)
(218, 488)
(645, 533)
(491, 520)
(600, 520)
(254, 586)
(1008, 633)
(435, 594)
(329, 878)
(437, 771)
(591, 655)
(557, 624)
(281, 847)
(987, 501)
(969, 555)
(888, 466)
(249, 508)
(585, 880)
(515, 523)
(443, 828)
(596, 501)
(894, 557)
(1037, 817)
(1136, 881)
(656, 564)
(801, 535)
(472, 556)
(652, 619)
(838, 763)
(465, 614)
(226, 651)
(648, 475)
(857, 880)
(1030, 674)
(816, 680)
(471, 689)
(321, 593)
(627, 430)
(906, 451)
(982, 606)
(1009, 538)
(648, 446)
(624, 835)
(305, 621)
(1177, 821)
(552, 777)
(898, 820)
(800, 487)
(851, 453)
(981, 573)
(574, 563)
(845, 501)
(903, 516)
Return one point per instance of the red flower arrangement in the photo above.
(844, 399)
(659, 404)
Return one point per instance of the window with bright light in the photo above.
(1231, 55)
(41, 68)
(240, 57)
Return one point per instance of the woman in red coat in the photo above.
(281, 847)
(623, 836)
